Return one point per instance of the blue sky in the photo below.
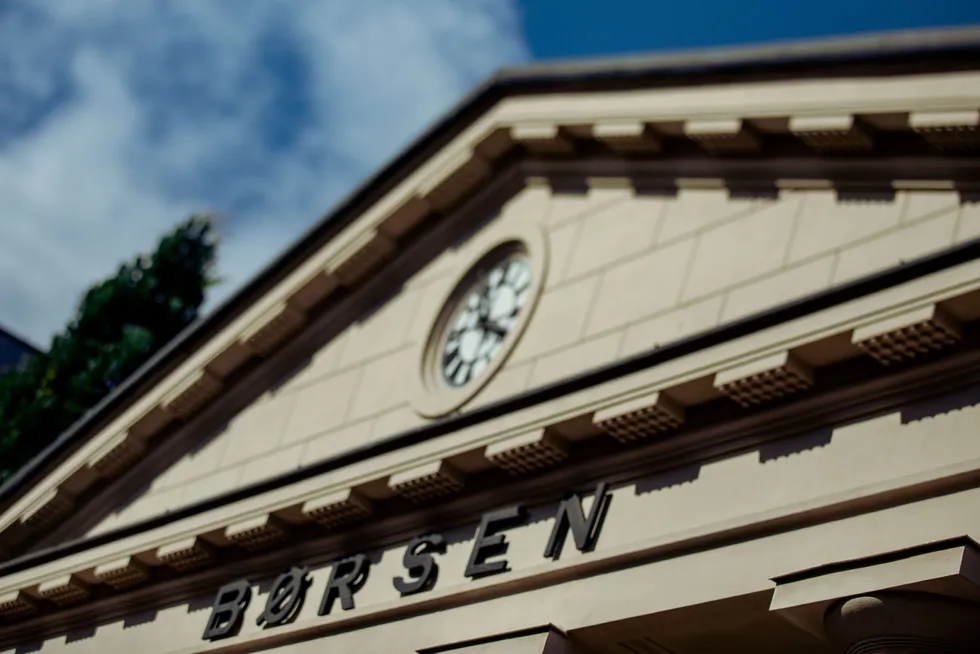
(119, 117)
(572, 28)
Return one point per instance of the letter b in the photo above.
(228, 610)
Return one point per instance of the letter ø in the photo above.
(285, 598)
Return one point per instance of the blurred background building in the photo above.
(13, 349)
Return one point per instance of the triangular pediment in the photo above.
(647, 215)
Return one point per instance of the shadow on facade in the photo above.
(201, 603)
(82, 633)
(796, 444)
(139, 619)
(668, 479)
(934, 406)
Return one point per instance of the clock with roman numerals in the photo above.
(485, 317)
(486, 310)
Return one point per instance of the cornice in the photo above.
(935, 116)
(837, 352)
(21, 616)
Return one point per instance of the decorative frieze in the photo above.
(948, 130)
(153, 421)
(430, 481)
(495, 144)
(273, 329)
(122, 573)
(361, 256)
(722, 136)
(117, 455)
(406, 216)
(48, 509)
(525, 453)
(65, 590)
(544, 139)
(316, 288)
(338, 509)
(192, 393)
(908, 334)
(229, 360)
(627, 137)
(640, 417)
(259, 533)
(764, 380)
(842, 133)
(17, 604)
(79, 480)
(187, 554)
(454, 180)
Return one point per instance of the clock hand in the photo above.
(482, 309)
(482, 352)
(490, 327)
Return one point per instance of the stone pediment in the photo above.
(653, 214)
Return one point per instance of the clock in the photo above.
(482, 318)
(487, 314)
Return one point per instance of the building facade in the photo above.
(13, 349)
(658, 356)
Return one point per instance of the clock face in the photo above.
(486, 315)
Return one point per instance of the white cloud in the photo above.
(119, 117)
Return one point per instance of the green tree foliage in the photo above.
(119, 324)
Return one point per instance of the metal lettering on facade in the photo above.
(285, 598)
(350, 574)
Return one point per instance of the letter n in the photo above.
(585, 531)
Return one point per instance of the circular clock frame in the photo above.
(434, 396)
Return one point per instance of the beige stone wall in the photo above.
(682, 509)
(626, 273)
